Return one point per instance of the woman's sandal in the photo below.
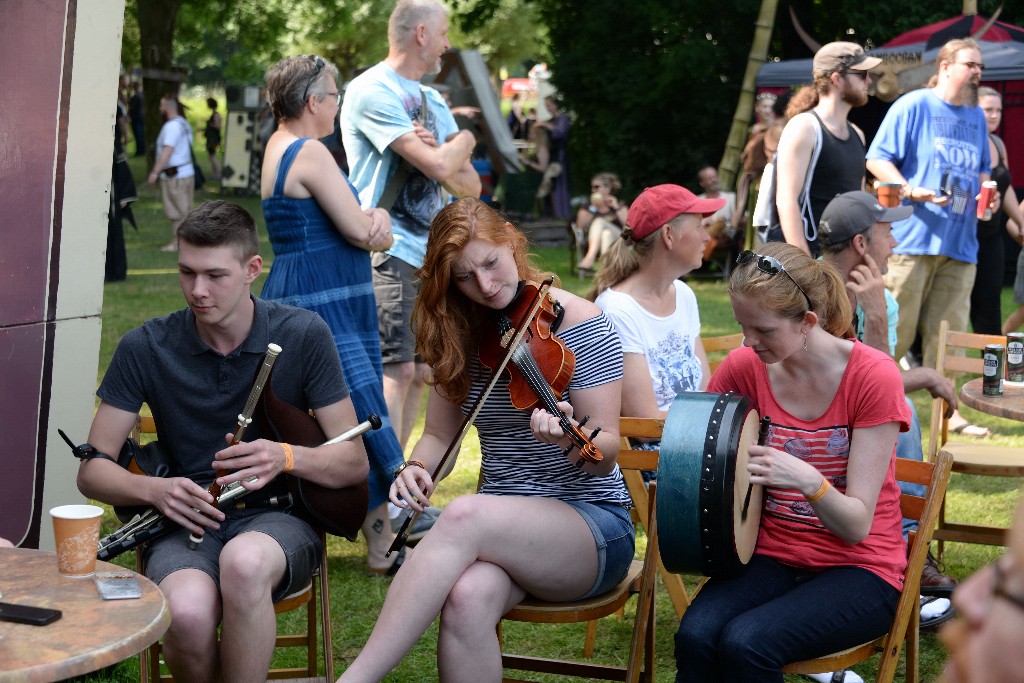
(388, 571)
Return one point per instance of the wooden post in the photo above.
(744, 108)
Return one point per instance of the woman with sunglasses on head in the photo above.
(655, 314)
(602, 219)
(322, 242)
(828, 566)
(543, 521)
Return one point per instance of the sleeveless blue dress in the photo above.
(317, 269)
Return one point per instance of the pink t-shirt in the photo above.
(870, 393)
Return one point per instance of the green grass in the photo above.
(152, 289)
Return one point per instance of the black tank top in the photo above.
(989, 229)
(840, 167)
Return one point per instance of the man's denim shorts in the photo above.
(615, 537)
(298, 541)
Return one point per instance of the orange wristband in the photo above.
(289, 457)
(820, 493)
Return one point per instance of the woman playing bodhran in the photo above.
(539, 524)
(828, 566)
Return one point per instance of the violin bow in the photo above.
(545, 286)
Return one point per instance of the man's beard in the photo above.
(970, 94)
(853, 97)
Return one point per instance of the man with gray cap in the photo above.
(821, 153)
(856, 237)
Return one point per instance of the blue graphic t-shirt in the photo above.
(667, 342)
(380, 106)
(942, 147)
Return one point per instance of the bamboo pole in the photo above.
(744, 108)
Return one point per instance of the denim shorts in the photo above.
(395, 287)
(299, 542)
(615, 537)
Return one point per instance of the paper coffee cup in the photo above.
(888, 194)
(76, 529)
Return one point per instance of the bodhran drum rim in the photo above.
(702, 481)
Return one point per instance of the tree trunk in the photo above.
(745, 107)
(159, 76)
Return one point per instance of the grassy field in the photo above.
(152, 289)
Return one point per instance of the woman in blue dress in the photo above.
(322, 241)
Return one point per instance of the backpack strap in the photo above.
(397, 181)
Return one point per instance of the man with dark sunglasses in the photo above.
(821, 153)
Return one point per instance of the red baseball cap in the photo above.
(660, 204)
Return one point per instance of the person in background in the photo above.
(173, 166)
(723, 225)
(406, 155)
(856, 238)
(122, 194)
(517, 119)
(558, 133)
(984, 643)
(214, 126)
(828, 567)
(603, 219)
(655, 314)
(836, 163)
(136, 111)
(543, 522)
(986, 308)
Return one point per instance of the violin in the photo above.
(541, 364)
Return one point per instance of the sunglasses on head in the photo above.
(318, 66)
(771, 266)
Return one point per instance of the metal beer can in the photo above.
(1015, 356)
(992, 384)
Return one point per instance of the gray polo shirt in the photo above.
(196, 394)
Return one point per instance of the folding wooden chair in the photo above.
(720, 344)
(968, 458)
(905, 626)
(639, 581)
(317, 591)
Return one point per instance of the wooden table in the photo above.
(1010, 405)
(92, 632)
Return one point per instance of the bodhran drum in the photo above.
(702, 484)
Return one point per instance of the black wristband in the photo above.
(87, 451)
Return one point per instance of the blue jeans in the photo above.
(908, 446)
(745, 629)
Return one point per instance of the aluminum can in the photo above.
(1015, 356)
(992, 382)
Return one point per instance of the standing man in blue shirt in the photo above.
(407, 155)
(934, 143)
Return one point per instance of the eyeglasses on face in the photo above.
(771, 266)
(318, 66)
(336, 95)
(862, 75)
(980, 66)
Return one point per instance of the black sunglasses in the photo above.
(318, 66)
(771, 266)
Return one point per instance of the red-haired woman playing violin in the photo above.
(540, 523)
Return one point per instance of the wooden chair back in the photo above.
(720, 347)
(640, 582)
(316, 592)
(934, 476)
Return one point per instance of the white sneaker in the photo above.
(850, 677)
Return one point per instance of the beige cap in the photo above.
(842, 56)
